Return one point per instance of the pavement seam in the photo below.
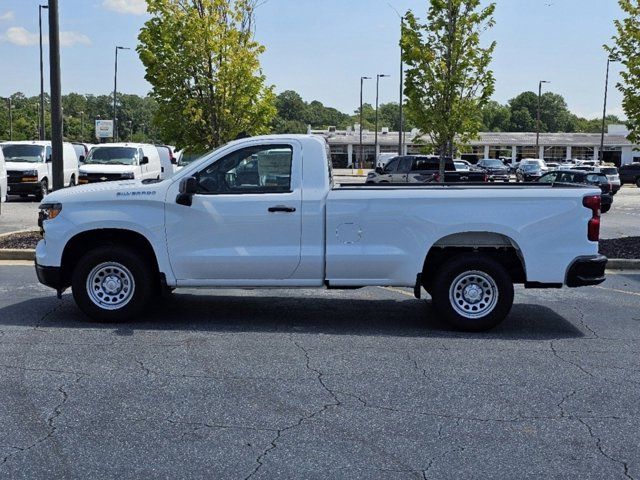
(598, 440)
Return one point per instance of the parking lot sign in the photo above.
(104, 129)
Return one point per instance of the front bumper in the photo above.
(499, 177)
(23, 188)
(49, 276)
(585, 271)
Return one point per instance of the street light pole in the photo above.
(538, 116)
(81, 126)
(115, 92)
(8, 99)
(378, 77)
(400, 101)
(360, 160)
(604, 109)
(41, 129)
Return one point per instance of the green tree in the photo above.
(495, 117)
(626, 48)
(448, 80)
(202, 60)
(554, 113)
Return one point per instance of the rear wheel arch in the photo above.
(498, 247)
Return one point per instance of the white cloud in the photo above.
(8, 16)
(20, 36)
(24, 38)
(69, 39)
(135, 7)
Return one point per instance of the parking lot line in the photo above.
(397, 290)
(619, 291)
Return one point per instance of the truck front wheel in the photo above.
(473, 292)
(111, 284)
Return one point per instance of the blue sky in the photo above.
(320, 48)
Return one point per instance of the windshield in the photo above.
(493, 163)
(609, 171)
(113, 156)
(23, 153)
(530, 167)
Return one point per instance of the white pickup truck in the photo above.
(266, 212)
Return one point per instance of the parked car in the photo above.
(384, 158)
(529, 172)
(121, 161)
(553, 165)
(462, 165)
(82, 150)
(535, 161)
(575, 176)
(496, 170)
(612, 176)
(29, 167)
(204, 227)
(3, 178)
(630, 173)
(422, 169)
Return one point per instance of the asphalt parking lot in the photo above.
(623, 220)
(319, 384)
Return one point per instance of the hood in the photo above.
(99, 168)
(105, 191)
(23, 166)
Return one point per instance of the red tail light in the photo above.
(436, 178)
(593, 227)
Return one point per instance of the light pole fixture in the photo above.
(115, 92)
(378, 77)
(130, 130)
(610, 58)
(538, 116)
(361, 156)
(41, 128)
(401, 100)
(81, 126)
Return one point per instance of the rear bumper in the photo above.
(585, 271)
(49, 276)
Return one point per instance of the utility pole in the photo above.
(10, 117)
(41, 129)
(115, 92)
(538, 116)
(378, 77)
(81, 126)
(56, 97)
(361, 159)
(604, 109)
(401, 100)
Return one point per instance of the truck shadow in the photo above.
(223, 313)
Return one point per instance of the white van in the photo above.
(3, 178)
(29, 167)
(121, 161)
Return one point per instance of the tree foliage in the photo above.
(295, 115)
(448, 80)
(627, 50)
(202, 60)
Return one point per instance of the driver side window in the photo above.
(259, 169)
(392, 166)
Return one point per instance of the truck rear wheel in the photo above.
(473, 292)
(111, 284)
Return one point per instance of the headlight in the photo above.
(48, 211)
(127, 176)
(30, 173)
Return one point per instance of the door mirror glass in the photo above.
(81, 158)
(48, 160)
(144, 161)
(379, 170)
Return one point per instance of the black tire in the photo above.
(44, 189)
(484, 277)
(138, 296)
(72, 181)
(638, 182)
(605, 208)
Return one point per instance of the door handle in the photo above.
(281, 208)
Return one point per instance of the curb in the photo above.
(8, 234)
(17, 254)
(623, 264)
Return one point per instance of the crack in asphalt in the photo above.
(576, 365)
(38, 326)
(598, 440)
(34, 369)
(274, 442)
(583, 321)
(50, 421)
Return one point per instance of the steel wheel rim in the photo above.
(473, 294)
(110, 285)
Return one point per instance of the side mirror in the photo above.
(188, 188)
(379, 170)
(48, 160)
(81, 158)
(144, 160)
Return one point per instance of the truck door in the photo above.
(404, 167)
(245, 220)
